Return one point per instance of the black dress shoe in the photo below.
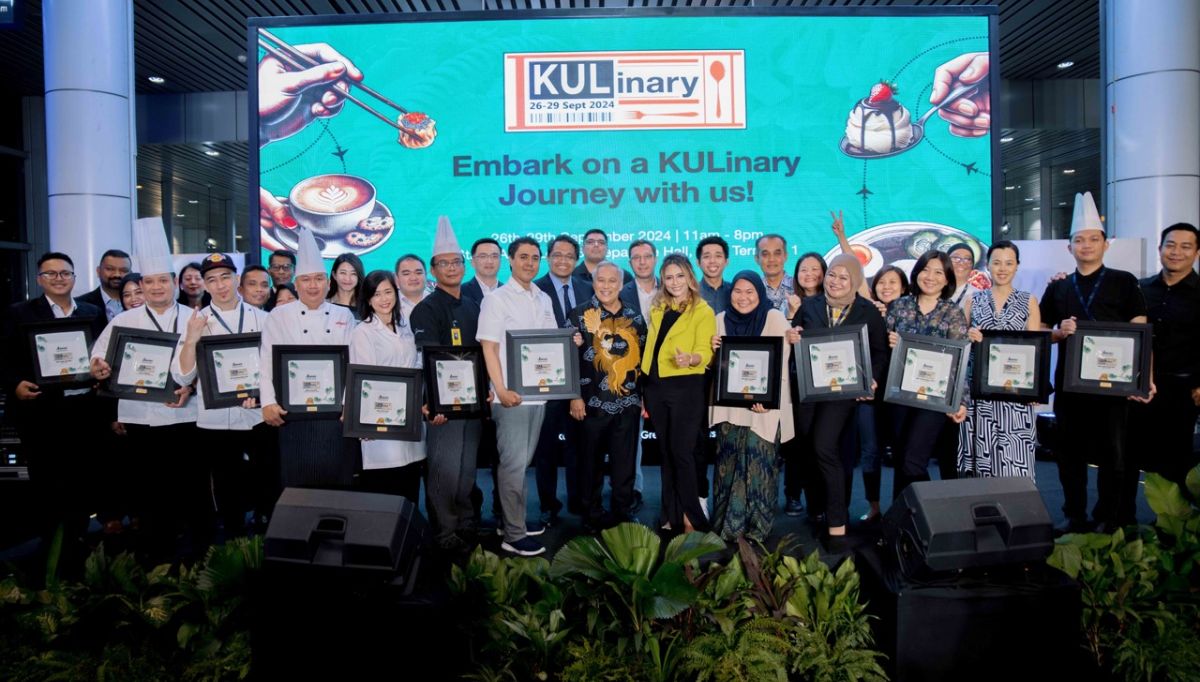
(837, 544)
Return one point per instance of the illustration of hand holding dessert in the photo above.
(970, 116)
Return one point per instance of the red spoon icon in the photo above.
(717, 71)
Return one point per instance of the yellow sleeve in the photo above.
(706, 328)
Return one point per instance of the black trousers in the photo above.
(1165, 429)
(404, 481)
(616, 435)
(1096, 427)
(801, 474)
(945, 449)
(677, 409)
(831, 421)
(550, 450)
(244, 472)
(170, 491)
(916, 433)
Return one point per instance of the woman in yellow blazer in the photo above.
(680, 347)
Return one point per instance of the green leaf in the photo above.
(689, 546)
(633, 547)
(673, 592)
(1165, 498)
(1193, 481)
(583, 555)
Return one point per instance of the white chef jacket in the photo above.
(513, 307)
(137, 411)
(225, 418)
(372, 343)
(297, 324)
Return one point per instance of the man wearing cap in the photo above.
(1092, 426)
(312, 452)
(227, 434)
(170, 489)
(447, 318)
(518, 305)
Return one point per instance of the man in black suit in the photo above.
(637, 293)
(56, 426)
(114, 265)
(595, 250)
(566, 291)
(485, 260)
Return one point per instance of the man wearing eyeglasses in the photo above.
(281, 265)
(58, 458)
(595, 250)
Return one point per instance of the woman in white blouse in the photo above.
(384, 338)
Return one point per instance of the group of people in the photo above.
(646, 341)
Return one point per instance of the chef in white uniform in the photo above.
(170, 484)
(311, 452)
(232, 437)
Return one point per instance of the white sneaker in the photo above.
(704, 506)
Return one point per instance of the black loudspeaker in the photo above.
(938, 527)
(351, 534)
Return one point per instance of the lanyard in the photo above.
(1087, 305)
(958, 299)
(841, 315)
(241, 318)
(174, 324)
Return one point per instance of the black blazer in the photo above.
(814, 314)
(629, 295)
(92, 297)
(582, 292)
(473, 291)
(17, 361)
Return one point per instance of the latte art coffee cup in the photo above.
(332, 205)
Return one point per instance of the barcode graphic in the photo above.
(572, 117)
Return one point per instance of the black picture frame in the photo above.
(120, 349)
(208, 361)
(36, 331)
(984, 355)
(727, 362)
(954, 384)
(1077, 347)
(806, 387)
(516, 339)
(409, 422)
(284, 354)
(476, 406)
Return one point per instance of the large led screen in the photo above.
(667, 128)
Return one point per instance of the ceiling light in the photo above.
(1010, 187)
(180, 215)
(1004, 228)
(1006, 139)
(1066, 64)
(1062, 203)
(1068, 171)
(1037, 208)
(157, 80)
(139, 186)
(212, 152)
(193, 201)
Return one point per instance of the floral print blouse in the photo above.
(946, 320)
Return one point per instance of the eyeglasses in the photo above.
(57, 274)
(280, 268)
(595, 242)
(455, 263)
(961, 260)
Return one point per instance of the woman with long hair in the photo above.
(345, 276)
(384, 338)
(748, 438)
(927, 311)
(680, 342)
(191, 287)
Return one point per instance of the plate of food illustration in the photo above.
(368, 234)
(903, 242)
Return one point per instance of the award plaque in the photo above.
(833, 364)
(228, 368)
(543, 364)
(309, 380)
(455, 381)
(749, 370)
(383, 403)
(1012, 366)
(928, 373)
(61, 352)
(1108, 358)
(140, 360)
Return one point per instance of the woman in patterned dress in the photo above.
(997, 437)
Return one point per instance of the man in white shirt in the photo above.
(228, 434)
(312, 452)
(171, 482)
(518, 305)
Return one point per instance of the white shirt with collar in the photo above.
(486, 289)
(511, 308)
(406, 307)
(225, 418)
(558, 292)
(644, 297)
(174, 320)
(372, 343)
(59, 314)
(297, 324)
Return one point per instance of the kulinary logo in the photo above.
(624, 90)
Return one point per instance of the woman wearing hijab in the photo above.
(748, 439)
(839, 304)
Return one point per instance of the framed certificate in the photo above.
(382, 403)
(309, 380)
(1012, 366)
(140, 360)
(927, 372)
(749, 370)
(227, 366)
(543, 363)
(1108, 358)
(455, 381)
(61, 352)
(833, 364)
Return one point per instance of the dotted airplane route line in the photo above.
(336, 144)
(302, 152)
(864, 195)
(970, 167)
(931, 49)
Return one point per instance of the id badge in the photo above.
(455, 336)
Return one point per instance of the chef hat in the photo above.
(1085, 217)
(445, 241)
(308, 254)
(150, 247)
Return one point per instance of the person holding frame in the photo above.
(746, 486)
(227, 434)
(839, 304)
(680, 341)
(927, 311)
(997, 437)
(384, 338)
(801, 475)
(1097, 426)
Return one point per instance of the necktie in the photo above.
(568, 305)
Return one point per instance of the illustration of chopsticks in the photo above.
(297, 60)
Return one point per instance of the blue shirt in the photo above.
(717, 298)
